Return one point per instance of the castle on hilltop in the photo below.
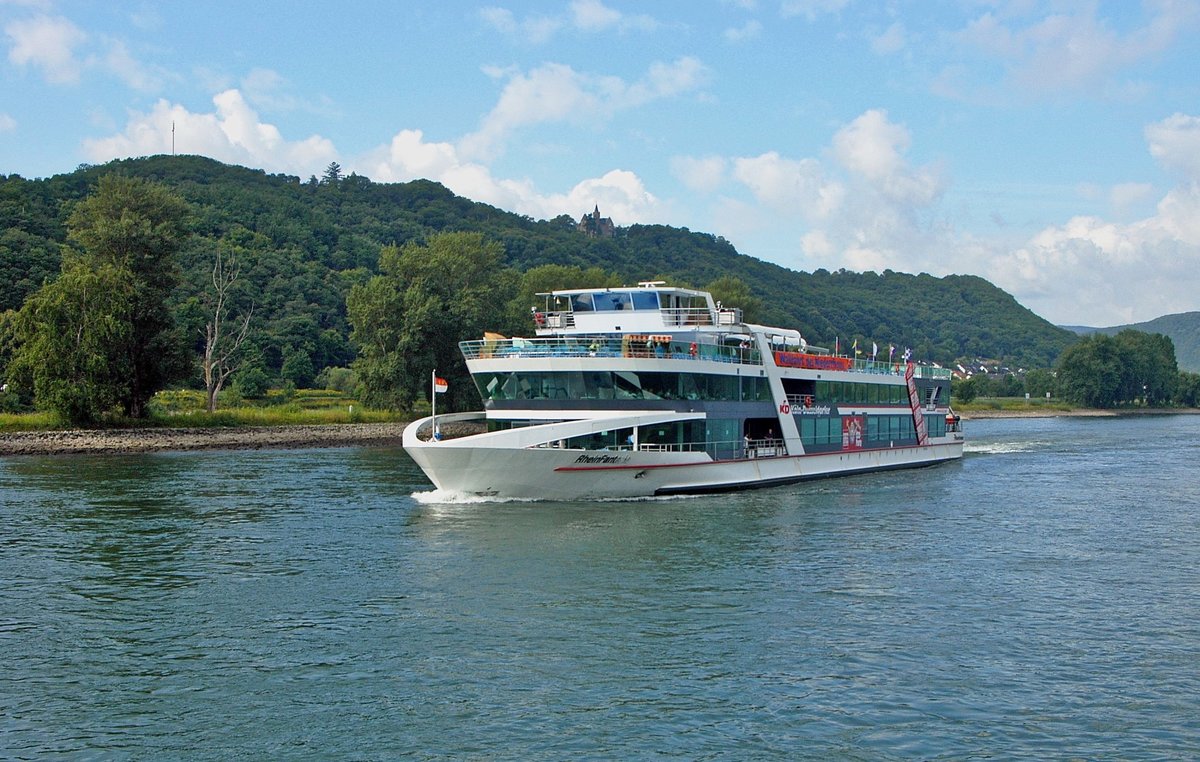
(596, 226)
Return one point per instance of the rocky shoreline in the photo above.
(162, 440)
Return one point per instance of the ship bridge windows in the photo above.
(645, 300)
(612, 301)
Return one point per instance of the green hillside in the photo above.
(303, 244)
(1182, 328)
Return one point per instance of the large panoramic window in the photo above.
(619, 385)
(871, 394)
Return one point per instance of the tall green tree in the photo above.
(1149, 370)
(69, 339)
(102, 335)
(138, 226)
(1106, 371)
(409, 320)
(1089, 372)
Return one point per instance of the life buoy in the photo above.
(693, 349)
(539, 318)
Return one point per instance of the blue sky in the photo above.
(1050, 147)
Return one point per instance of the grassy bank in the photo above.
(1013, 405)
(186, 409)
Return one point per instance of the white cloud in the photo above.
(49, 44)
(59, 49)
(233, 133)
(534, 30)
(703, 175)
(874, 148)
(557, 93)
(589, 16)
(1072, 47)
(1096, 272)
(593, 15)
(7, 123)
(620, 193)
(1175, 142)
(133, 73)
(890, 41)
(748, 31)
(798, 187)
(1125, 196)
(811, 9)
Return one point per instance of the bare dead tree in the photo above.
(221, 358)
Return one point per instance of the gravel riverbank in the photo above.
(156, 440)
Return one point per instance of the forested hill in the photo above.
(1182, 328)
(303, 244)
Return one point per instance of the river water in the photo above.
(1038, 599)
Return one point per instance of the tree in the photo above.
(965, 390)
(409, 320)
(138, 226)
(1106, 371)
(69, 340)
(1187, 389)
(1089, 373)
(333, 174)
(732, 291)
(1148, 367)
(222, 355)
(1039, 382)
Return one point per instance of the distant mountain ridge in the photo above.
(303, 244)
(1182, 328)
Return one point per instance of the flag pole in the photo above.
(433, 403)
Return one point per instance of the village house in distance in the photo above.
(596, 226)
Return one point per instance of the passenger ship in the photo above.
(652, 390)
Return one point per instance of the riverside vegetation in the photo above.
(180, 273)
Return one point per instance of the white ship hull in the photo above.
(465, 466)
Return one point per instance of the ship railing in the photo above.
(769, 447)
(764, 447)
(630, 346)
(554, 320)
(687, 316)
(895, 368)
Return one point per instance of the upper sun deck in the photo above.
(650, 307)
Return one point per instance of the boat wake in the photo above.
(453, 497)
(999, 448)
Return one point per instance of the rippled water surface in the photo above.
(1038, 599)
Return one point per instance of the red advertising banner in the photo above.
(816, 362)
